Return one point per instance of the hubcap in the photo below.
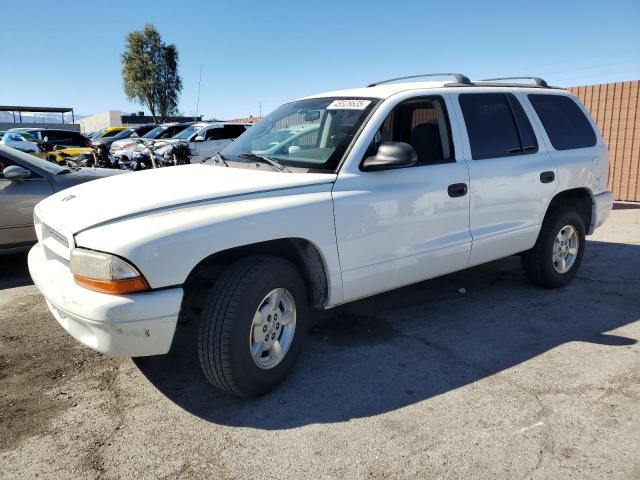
(565, 249)
(272, 329)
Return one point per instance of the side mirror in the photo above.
(391, 155)
(199, 138)
(15, 172)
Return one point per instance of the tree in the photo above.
(150, 72)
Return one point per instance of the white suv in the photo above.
(207, 139)
(398, 183)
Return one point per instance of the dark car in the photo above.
(136, 131)
(24, 181)
(59, 137)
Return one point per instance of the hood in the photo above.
(109, 199)
(123, 143)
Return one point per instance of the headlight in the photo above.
(105, 273)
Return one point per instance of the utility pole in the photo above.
(260, 108)
(198, 97)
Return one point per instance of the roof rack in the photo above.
(458, 76)
(537, 80)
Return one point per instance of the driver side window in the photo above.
(423, 123)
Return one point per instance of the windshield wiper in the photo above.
(219, 159)
(274, 163)
(65, 171)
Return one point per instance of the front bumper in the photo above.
(601, 206)
(132, 325)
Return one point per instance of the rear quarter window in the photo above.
(563, 120)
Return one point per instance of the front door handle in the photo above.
(547, 177)
(457, 190)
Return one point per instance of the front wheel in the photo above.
(253, 325)
(556, 257)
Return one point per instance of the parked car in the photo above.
(123, 149)
(400, 183)
(21, 141)
(280, 141)
(60, 137)
(107, 132)
(207, 139)
(24, 181)
(136, 131)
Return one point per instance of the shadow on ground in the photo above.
(403, 347)
(14, 271)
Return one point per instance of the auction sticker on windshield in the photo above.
(348, 104)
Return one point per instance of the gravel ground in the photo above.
(499, 380)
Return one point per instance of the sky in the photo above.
(252, 53)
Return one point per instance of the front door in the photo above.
(401, 226)
(17, 199)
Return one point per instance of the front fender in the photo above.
(168, 244)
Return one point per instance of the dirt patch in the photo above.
(36, 369)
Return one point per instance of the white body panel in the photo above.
(129, 325)
(374, 231)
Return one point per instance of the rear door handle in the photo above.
(547, 177)
(457, 190)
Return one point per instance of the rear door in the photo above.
(17, 199)
(512, 175)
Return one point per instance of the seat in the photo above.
(425, 138)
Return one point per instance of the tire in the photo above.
(227, 327)
(538, 263)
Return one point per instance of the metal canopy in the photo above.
(20, 109)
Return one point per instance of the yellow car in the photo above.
(106, 132)
(62, 154)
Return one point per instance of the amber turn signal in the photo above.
(129, 285)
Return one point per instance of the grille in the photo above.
(50, 232)
(56, 244)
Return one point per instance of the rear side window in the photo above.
(213, 134)
(233, 131)
(564, 122)
(497, 125)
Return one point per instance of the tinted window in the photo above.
(144, 130)
(213, 134)
(527, 137)
(61, 137)
(566, 125)
(233, 131)
(490, 125)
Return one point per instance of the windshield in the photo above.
(110, 133)
(311, 133)
(124, 134)
(186, 133)
(25, 158)
(96, 135)
(155, 132)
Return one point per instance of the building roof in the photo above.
(13, 108)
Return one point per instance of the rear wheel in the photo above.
(253, 325)
(556, 257)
